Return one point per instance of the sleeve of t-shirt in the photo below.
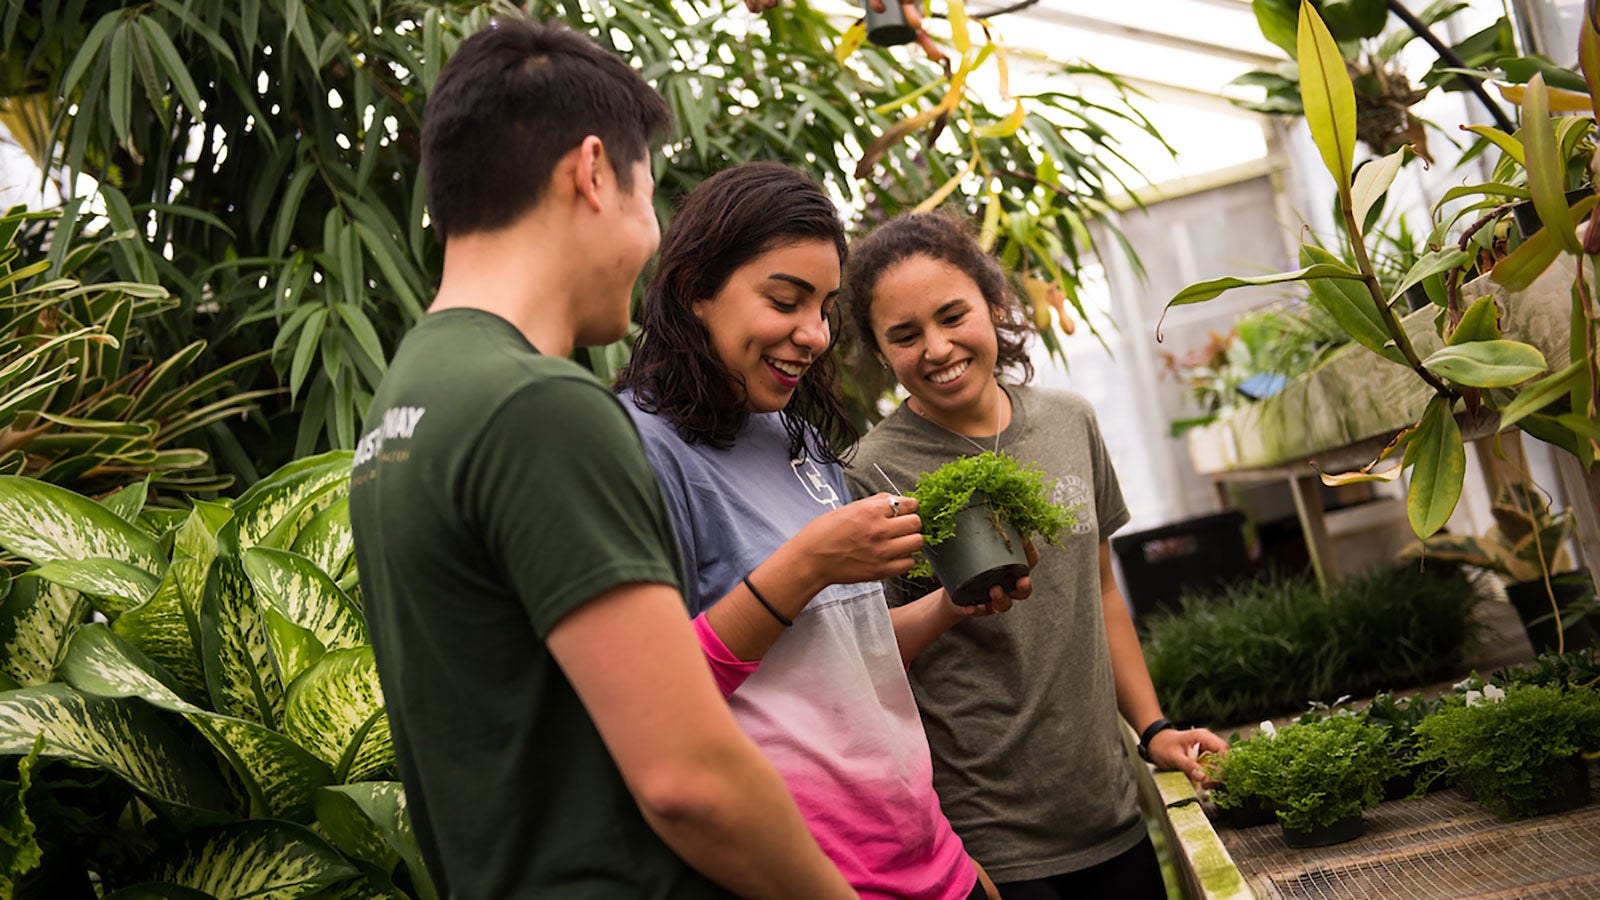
(1108, 502)
(675, 492)
(567, 504)
(728, 670)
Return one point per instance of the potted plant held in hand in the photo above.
(1527, 543)
(1518, 749)
(1238, 778)
(977, 512)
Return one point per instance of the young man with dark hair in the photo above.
(556, 727)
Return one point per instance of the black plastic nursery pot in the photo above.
(1566, 786)
(985, 551)
(1252, 812)
(1347, 829)
(1533, 607)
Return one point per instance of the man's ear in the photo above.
(592, 169)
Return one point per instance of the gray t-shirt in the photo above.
(1020, 708)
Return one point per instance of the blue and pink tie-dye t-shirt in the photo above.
(829, 704)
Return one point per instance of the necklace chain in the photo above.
(999, 410)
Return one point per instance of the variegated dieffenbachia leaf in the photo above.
(127, 738)
(165, 630)
(279, 776)
(306, 613)
(153, 890)
(369, 822)
(42, 523)
(284, 501)
(259, 859)
(114, 587)
(335, 710)
(234, 648)
(36, 620)
(327, 540)
(128, 502)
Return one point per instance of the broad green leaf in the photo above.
(42, 523)
(1373, 180)
(354, 815)
(260, 858)
(279, 775)
(1508, 145)
(282, 495)
(124, 737)
(1487, 364)
(1347, 301)
(1329, 98)
(327, 540)
(335, 710)
(1438, 463)
(128, 502)
(1432, 264)
(115, 587)
(1546, 173)
(1205, 290)
(1481, 322)
(1581, 425)
(36, 621)
(233, 640)
(299, 599)
(152, 890)
(1360, 476)
(1589, 56)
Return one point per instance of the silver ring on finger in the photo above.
(894, 506)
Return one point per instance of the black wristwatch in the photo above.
(1156, 727)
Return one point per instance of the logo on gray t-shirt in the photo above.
(811, 477)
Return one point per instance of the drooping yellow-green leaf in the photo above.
(1481, 322)
(1546, 170)
(124, 737)
(1589, 55)
(1487, 364)
(1328, 97)
(259, 858)
(850, 41)
(1205, 290)
(335, 710)
(1438, 462)
(1508, 145)
(42, 523)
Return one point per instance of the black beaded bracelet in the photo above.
(1156, 727)
(785, 620)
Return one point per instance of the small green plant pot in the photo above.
(985, 551)
(1347, 829)
(1252, 812)
(1565, 787)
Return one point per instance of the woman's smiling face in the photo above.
(770, 320)
(934, 329)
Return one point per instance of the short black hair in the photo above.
(728, 220)
(515, 98)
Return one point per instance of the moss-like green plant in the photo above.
(1238, 774)
(1314, 773)
(1501, 743)
(1018, 493)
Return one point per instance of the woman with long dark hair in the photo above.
(732, 387)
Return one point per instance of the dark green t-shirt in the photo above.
(496, 490)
